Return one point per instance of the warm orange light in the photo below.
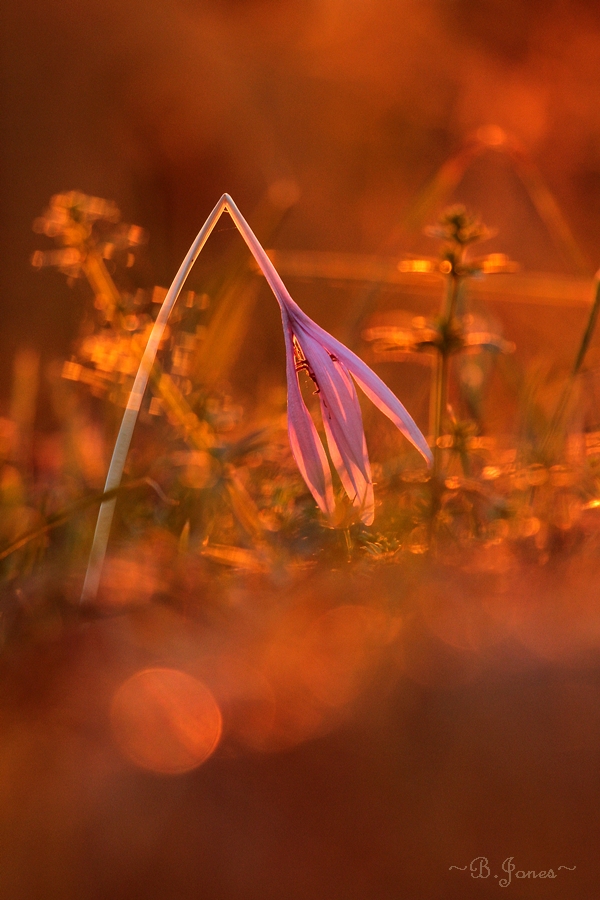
(165, 721)
(338, 650)
(417, 265)
(246, 700)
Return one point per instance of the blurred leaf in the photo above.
(227, 330)
(242, 504)
(237, 557)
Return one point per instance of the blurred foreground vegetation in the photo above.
(212, 495)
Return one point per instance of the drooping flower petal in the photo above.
(385, 400)
(342, 419)
(357, 487)
(338, 397)
(372, 385)
(305, 443)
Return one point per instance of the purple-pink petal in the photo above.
(305, 443)
(385, 400)
(357, 487)
(372, 385)
(342, 419)
(339, 399)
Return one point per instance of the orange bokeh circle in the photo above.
(165, 721)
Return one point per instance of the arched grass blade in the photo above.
(117, 463)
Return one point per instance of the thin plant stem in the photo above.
(440, 383)
(121, 448)
(440, 386)
(451, 173)
(561, 407)
(590, 328)
(452, 295)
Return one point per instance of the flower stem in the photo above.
(117, 463)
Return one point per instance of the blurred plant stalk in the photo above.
(63, 516)
(452, 332)
(458, 230)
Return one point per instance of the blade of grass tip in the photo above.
(591, 326)
(258, 252)
(557, 419)
(117, 463)
(235, 299)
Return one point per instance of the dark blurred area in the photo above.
(163, 107)
(473, 728)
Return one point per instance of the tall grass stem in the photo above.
(121, 448)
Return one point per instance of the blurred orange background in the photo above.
(163, 106)
(475, 727)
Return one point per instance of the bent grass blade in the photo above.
(122, 444)
(117, 463)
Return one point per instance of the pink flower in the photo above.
(333, 369)
(331, 366)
